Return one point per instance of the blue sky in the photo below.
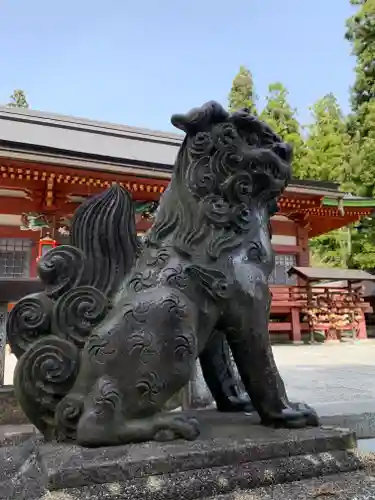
(139, 61)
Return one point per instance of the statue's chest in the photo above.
(258, 248)
(249, 276)
(254, 264)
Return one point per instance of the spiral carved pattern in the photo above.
(44, 374)
(67, 415)
(61, 269)
(28, 321)
(77, 312)
(227, 166)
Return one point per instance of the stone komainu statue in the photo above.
(119, 328)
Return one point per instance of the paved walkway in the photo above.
(334, 378)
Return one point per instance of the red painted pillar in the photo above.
(33, 257)
(362, 330)
(296, 326)
(303, 258)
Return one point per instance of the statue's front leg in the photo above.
(220, 378)
(103, 423)
(249, 340)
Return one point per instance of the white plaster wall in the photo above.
(10, 220)
(10, 365)
(281, 239)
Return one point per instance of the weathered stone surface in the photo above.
(11, 435)
(10, 410)
(347, 486)
(196, 484)
(21, 473)
(233, 453)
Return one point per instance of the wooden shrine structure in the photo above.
(49, 164)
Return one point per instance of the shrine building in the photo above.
(50, 163)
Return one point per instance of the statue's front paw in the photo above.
(170, 428)
(295, 416)
(236, 405)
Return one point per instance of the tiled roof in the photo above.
(332, 274)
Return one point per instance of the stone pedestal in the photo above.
(10, 411)
(233, 452)
(3, 342)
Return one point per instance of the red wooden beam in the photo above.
(17, 206)
(21, 184)
(286, 228)
(290, 249)
(16, 232)
(321, 225)
(143, 225)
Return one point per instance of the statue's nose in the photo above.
(284, 151)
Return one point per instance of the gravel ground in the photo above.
(351, 486)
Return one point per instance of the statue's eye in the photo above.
(252, 139)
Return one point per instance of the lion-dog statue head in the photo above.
(228, 166)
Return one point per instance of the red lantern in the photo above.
(45, 244)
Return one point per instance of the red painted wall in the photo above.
(285, 228)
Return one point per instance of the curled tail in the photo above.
(47, 330)
(104, 230)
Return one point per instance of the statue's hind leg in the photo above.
(103, 423)
(220, 378)
(248, 336)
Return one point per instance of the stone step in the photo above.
(232, 453)
(17, 434)
(358, 485)
(208, 481)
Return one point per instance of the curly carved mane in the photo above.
(227, 166)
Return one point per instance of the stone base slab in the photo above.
(211, 481)
(350, 486)
(233, 453)
(10, 411)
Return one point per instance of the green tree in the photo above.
(18, 100)
(328, 143)
(280, 115)
(361, 169)
(361, 34)
(331, 249)
(363, 250)
(242, 94)
(361, 123)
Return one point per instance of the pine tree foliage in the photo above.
(280, 115)
(18, 100)
(332, 147)
(242, 94)
(328, 144)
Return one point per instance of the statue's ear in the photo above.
(273, 208)
(200, 119)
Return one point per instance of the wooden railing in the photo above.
(297, 295)
(290, 303)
